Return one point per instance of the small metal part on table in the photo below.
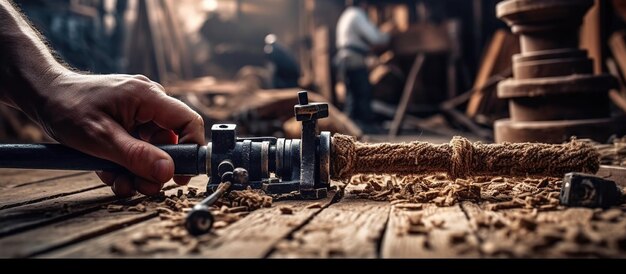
(586, 190)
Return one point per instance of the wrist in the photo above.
(33, 86)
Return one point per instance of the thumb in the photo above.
(140, 157)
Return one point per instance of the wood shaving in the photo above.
(314, 205)
(137, 208)
(409, 206)
(440, 224)
(499, 192)
(115, 208)
(286, 210)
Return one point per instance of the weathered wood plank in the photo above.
(49, 189)
(12, 177)
(496, 59)
(100, 247)
(569, 232)
(77, 229)
(20, 218)
(256, 235)
(251, 237)
(433, 232)
(350, 228)
(615, 173)
(73, 230)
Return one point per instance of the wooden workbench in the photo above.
(64, 214)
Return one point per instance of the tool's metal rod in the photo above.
(200, 220)
(219, 191)
(189, 159)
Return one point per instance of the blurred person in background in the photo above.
(356, 36)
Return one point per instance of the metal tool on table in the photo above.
(275, 165)
(585, 190)
(200, 220)
(303, 166)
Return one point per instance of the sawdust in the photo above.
(460, 158)
(409, 192)
(520, 217)
(524, 233)
(170, 236)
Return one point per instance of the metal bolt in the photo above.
(225, 166)
(200, 220)
(240, 176)
(303, 97)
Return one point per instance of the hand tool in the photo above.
(276, 165)
(586, 190)
(200, 220)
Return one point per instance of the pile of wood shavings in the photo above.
(514, 217)
(499, 192)
(169, 236)
(574, 232)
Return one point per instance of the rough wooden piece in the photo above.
(407, 94)
(617, 43)
(557, 132)
(460, 158)
(497, 58)
(593, 34)
(351, 228)
(433, 232)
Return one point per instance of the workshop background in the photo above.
(213, 55)
(451, 68)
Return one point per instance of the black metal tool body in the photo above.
(585, 190)
(276, 165)
(189, 159)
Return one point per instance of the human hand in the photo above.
(97, 114)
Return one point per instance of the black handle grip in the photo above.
(189, 159)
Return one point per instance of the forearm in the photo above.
(27, 66)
